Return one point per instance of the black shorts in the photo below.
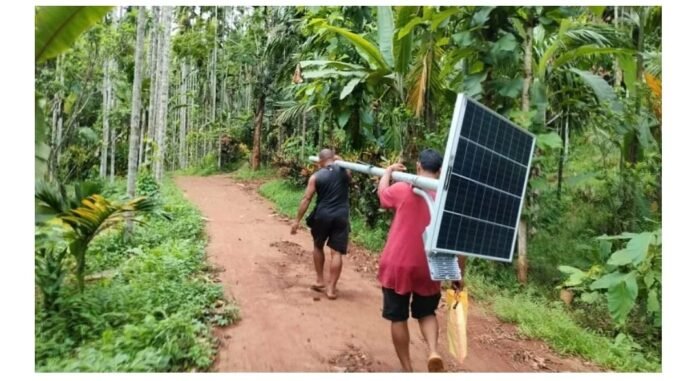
(395, 306)
(335, 229)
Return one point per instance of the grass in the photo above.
(286, 199)
(156, 311)
(552, 323)
(245, 173)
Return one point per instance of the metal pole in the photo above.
(418, 181)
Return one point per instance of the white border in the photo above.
(448, 160)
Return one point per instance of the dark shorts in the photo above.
(395, 306)
(335, 229)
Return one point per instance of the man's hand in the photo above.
(293, 229)
(386, 177)
(396, 167)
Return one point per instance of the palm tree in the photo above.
(85, 214)
(273, 62)
(136, 105)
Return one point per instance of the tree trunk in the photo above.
(55, 108)
(320, 131)
(522, 265)
(566, 138)
(522, 261)
(57, 111)
(258, 123)
(189, 117)
(281, 135)
(618, 74)
(105, 120)
(631, 142)
(213, 85)
(112, 142)
(135, 111)
(142, 139)
(163, 93)
(562, 156)
(59, 129)
(59, 140)
(527, 84)
(304, 134)
(112, 153)
(182, 114)
(154, 81)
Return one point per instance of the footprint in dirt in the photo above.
(353, 359)
(289, 248)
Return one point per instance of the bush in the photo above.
(152, 313)
(146, 185)
(292, 162)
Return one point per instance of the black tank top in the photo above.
(332, 185)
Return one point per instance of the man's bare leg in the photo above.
(428, 327)
(401, 340)
(335, 266)
(318, 255)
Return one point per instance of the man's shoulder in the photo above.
(400, 186)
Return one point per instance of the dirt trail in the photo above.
(288, 327)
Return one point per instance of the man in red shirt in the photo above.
(403, 267)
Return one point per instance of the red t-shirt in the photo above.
(403, 266)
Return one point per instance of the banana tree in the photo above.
(643, 28)
(85, 215)
(273, 37)
(385, 66)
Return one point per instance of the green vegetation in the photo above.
(245, 173)
(284, 195)
(132, 91)
(552, 322)
(148, 303)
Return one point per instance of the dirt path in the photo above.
(287, 327)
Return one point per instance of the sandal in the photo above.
(435, 364)
(317, 287)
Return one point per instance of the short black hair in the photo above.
(326, 153)
(430, 160)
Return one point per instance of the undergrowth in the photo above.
(552, 322)
(245, 173)
(150, 305)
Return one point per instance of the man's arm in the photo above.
(386, 177)
(304, 204)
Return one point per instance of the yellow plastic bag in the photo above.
(457, 308)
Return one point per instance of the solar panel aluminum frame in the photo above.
(450, 151)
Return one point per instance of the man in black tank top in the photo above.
(329, 219)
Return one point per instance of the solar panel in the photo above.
(480, 195)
